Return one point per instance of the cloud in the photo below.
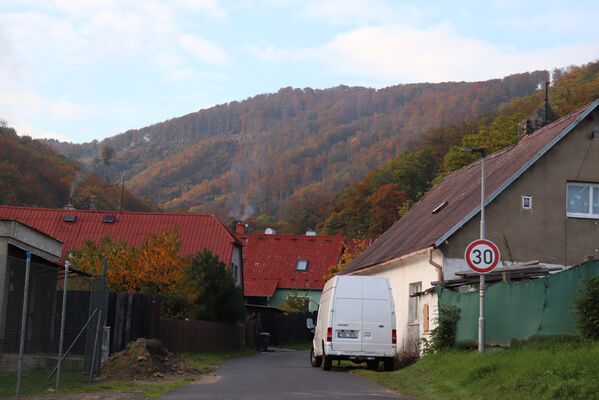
(20, 106)
(211, 7)
(402, 54)
(203, 49)
(351, 12)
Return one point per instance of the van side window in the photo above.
(414, 302)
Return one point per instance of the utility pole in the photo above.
(481, 318)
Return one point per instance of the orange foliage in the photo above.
(155, 267)
(351, 249)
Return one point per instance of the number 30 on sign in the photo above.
(482, 256)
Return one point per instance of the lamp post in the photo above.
(481, 318)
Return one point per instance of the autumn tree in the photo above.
(385, 205)
(351, 249)
(155, 267)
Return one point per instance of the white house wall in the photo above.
(402, 272)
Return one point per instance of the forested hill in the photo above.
(367, 208)
(260, 155)
(32, 174)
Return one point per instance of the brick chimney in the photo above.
(240, 227)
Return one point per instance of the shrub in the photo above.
(586, 308)
(444, 335)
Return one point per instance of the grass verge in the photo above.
(555, 368)
(35, 382)
(301, 345)
(209, 361)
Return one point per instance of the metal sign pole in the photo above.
(62, 322)
(481, 318)
(24, 321)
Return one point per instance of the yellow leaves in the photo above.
(155, 267)
(351, 249)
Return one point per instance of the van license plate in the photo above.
(347, 334)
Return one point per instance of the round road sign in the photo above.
(482, 256)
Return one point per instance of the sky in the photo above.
(79, 70)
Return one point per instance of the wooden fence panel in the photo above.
(194, 336)
(130, 316)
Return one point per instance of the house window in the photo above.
(414, 302)
(302, 265)
(582, 200)
(527, 202)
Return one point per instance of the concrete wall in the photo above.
(401, 273)
(17, 234)
(544, 232)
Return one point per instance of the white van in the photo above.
(356, 321)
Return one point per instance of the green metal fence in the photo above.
(518, 310)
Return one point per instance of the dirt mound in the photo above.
(143, 359)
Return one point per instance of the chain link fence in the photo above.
(35, 331)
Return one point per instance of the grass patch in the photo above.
(35, 382)
(209, 361)
(301, 345)
(556, 368)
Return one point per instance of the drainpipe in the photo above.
(434, 264)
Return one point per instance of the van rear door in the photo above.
(347, 315)
(376, 316)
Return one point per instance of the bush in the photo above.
(586, 309)
(444, 335)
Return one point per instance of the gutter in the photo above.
(412, 254)
(434, 264)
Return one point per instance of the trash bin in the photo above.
(262, 341)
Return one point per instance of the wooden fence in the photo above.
(194, 336)
(132, 316)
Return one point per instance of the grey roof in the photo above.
(420, 228)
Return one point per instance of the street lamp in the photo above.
(481, 318)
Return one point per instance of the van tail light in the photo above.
(393, 336)
(329, 334)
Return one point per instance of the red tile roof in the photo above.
(420, 228)
(270, 261)
(260, 287)
(196, 230)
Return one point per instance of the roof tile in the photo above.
(196, 230)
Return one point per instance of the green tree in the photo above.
(586, 309)
(217, 297)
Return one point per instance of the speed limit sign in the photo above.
(482, 256)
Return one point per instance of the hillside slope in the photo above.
(251, 157)
(367, 208)
(33, 174)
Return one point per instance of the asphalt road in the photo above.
(281, 375)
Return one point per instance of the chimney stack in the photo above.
(239, 228)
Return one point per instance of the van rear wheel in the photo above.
(372, 364)
(314, 359)
(389, 364)
(327, 362)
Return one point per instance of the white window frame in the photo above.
(301, 266)
(524, 199)
(414, 302)
(588, 214)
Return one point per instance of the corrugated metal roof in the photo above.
(420, 228)
(197, 231)
(272, 259)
